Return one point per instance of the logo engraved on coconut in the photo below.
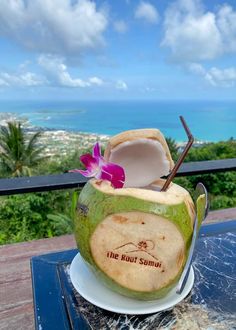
(144, 246)
(139, 251)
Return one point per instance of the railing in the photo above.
(74, 180)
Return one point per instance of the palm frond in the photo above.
(18, 153)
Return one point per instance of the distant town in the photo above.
(57, 142)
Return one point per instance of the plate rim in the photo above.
(149, 309)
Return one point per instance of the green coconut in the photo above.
(136, 239)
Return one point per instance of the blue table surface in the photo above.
(210, 305)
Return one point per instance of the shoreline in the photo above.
(58, 142)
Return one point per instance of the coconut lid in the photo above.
(144, 155)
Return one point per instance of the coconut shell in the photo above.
(135, 240)
(143, 153)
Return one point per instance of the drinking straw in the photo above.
(182, 156)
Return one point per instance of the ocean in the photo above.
(208, 120)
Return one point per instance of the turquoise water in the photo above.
(208, 121)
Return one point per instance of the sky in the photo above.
(120, 49)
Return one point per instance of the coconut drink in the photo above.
(132, 235)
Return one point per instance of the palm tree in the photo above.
(19, 153)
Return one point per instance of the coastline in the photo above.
(209, 121)
(59, 143)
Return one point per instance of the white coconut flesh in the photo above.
(144, 160)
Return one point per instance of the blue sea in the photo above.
(208, 120)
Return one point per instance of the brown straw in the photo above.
(182, 156)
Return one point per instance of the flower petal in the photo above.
(96, 166)
(113, 173)
(86, 173)
(89, 161)
(97, 151)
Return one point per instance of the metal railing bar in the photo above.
(207, 166)
(41, 183)
(74, 180)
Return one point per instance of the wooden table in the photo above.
(16, 302)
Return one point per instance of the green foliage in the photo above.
(174, 150)
(63, 164)
(38, 215)
(219, 150)
(221, 202)
(217, 184)
(25, 217)
(61, 223)
(18, 156)
(221, 186)
(64, 223)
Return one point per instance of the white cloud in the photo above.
(59, 27)
(226, 20)
(194, 34)
(147, 11)
(120, 26)
(3, 83)
(57, 73)
(96, 81)
(26, 79)
(215, 76)
(121, 85)
(223, 78)
(196, 68)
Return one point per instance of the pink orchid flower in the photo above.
(98, 167)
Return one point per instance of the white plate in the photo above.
(91, 289)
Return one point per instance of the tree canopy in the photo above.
(19, 151)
